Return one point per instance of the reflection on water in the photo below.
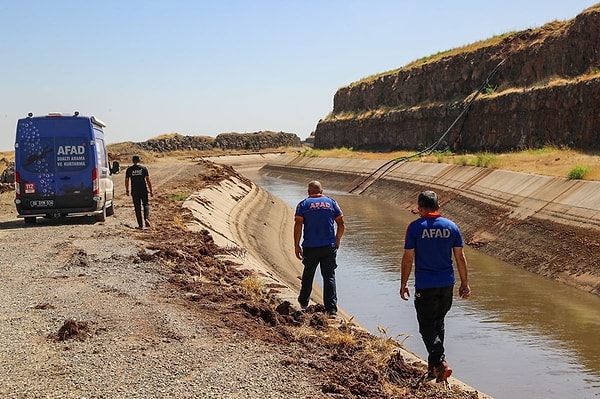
(518, 336)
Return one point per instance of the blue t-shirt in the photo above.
(318, 214)
(433, 237)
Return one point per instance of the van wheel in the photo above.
(110, 210)
(30, 220)
(101, 217)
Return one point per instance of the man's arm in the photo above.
(407, 261)
(461, 265)
(127, 186)
(341, 227)
(298, 223)
(149, 184)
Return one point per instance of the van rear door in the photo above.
(55, 164)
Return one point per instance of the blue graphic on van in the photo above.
(36, 152)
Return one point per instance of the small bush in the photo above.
(462, 161)
(253, 286)
(179, 197)
(442, 156)
(310, 153)
(487, 161)
(578, 172)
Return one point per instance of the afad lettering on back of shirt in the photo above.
(435, 233)
(320, 205)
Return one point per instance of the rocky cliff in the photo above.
(546, 91)
(224, 141)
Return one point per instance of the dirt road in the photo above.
(135, 338)
(101, 310)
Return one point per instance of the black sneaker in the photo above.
(429, 376)
(332, 314)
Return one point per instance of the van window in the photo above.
(102, 156)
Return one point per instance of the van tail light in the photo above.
(17, 185)
(96, 181)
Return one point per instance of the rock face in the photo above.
(547, 91)
(224, 141)
(256, 141)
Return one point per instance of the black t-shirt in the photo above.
(137, 174)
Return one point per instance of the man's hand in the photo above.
(464, 291)
(298, 251)
(404, 293)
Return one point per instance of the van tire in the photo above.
(110, 210)
(30, 220)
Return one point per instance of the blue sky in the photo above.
(207, 67)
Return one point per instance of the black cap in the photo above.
(428, 199)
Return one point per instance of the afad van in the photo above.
(62, 168)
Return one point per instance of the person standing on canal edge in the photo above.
(317, 216)
(141, 186)
(430, 242)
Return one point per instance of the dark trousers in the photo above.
(139, 200)
(432, 304)
(312, 257)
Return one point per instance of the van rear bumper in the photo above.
(60, 212)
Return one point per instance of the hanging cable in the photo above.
(388, 166)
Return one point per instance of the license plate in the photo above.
(41, 203)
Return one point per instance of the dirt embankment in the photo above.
(103, 310)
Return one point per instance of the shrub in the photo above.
(578, 172)
(310, 153)
(462, 161)
(487, 161)
(178, 197)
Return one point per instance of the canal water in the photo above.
(518, 336)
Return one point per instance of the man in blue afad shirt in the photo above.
(317, 214)
(430, 242)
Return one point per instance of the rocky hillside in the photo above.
(545, 91)
(224, 141)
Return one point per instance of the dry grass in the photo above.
(254, 286)
(8, 155)
(549, 161)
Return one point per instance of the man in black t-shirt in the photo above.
(141, 186)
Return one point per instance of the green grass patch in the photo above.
(578, 172)
(179, 197)
(442, 156)
(310, 153)
(487, 160)
(462, 161)
(547, 149)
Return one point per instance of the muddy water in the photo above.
(518, 336)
